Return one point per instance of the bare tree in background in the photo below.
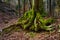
(19, 8)
(24, 6)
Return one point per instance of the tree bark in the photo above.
(19, 8)
(36, 5)
(24, 7)
(30, 1)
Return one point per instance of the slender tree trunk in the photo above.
(19, 8)
(24, 7)
(50, 10)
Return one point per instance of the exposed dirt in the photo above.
(6, 20)
(23, 35)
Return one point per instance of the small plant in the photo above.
(31, 34)
(59, 28)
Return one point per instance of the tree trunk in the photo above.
(30, 1)
(24, 7)
(19, 8)
(33, 19)
(36, 5)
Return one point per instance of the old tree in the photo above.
(34, 18)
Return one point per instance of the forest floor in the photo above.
(6, 20)
(16, 33)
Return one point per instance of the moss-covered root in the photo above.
(35, 22)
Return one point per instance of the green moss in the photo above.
(35, 22)
(32, 34)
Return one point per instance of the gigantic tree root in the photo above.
(35, 22)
